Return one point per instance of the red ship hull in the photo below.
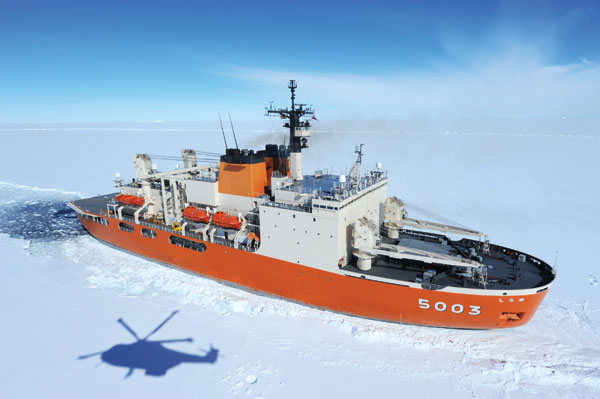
(327, 290)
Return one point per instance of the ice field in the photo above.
(532, 186)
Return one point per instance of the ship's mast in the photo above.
(299, 129)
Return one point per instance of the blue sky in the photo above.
(80, 61)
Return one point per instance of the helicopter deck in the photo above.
(95, 204)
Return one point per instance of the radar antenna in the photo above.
(299, 129)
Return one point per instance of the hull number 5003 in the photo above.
(456, 308)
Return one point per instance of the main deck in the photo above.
(504, 268)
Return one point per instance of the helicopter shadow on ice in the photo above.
(151, 356)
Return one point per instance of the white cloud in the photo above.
(515, 84)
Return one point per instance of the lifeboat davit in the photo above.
(130, 199)
(195, 214)
(224, 220)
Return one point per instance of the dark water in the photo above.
(39, 215)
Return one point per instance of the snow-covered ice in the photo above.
(63, 291)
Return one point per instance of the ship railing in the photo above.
(339, 191)
(136, 184)
(191, 234)
(314, 193)
(132, 185)
(157, 185)
(300, 208)
(343, 191)
(337, 196)
(206, 179)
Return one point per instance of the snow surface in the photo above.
(63, 291)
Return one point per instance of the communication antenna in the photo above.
(358, 150)
(299, 129)
(223, 131)
(234, 138)
(292, 85)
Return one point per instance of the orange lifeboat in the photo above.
(195, 214)
(224, 220)
(130, 199)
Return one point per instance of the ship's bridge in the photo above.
(323, 190)
(309, 221)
